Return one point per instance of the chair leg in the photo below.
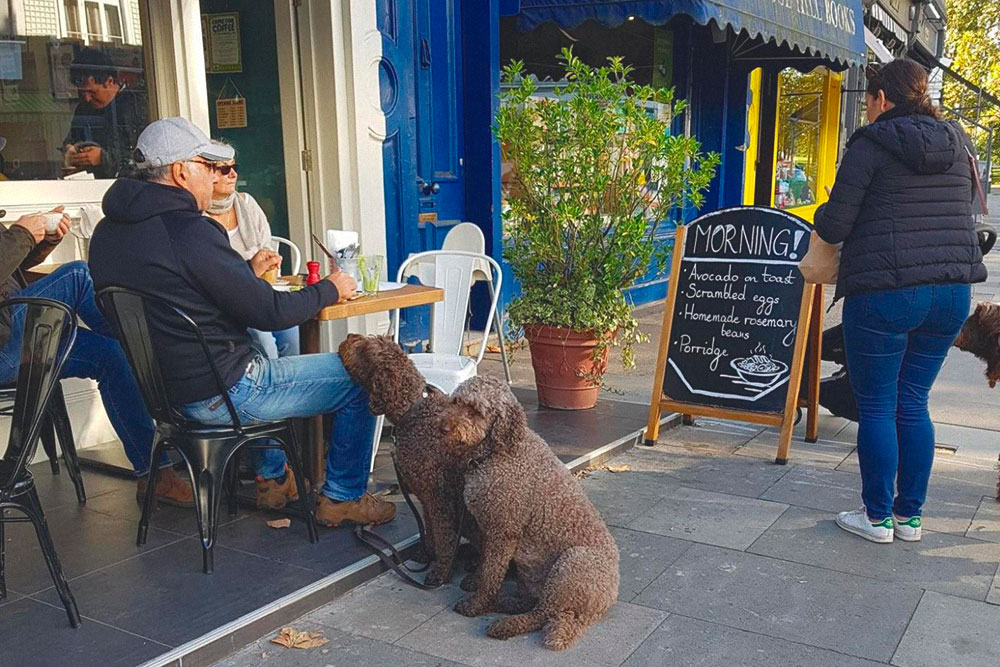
(379, 425)
(33, 508)
(498, 323)
(64, 431)
(291, 447)
(147, 503)
(3, 548)
(48, 437)
(207, 461)
(233, 483)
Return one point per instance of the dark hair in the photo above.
(92, 63)
(904, 83)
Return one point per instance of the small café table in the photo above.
(314, 449)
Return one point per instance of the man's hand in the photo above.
(265, 260)
(89, 156)
(35, 224)
(347, 287)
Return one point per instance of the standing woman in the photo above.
(902, 206)
(249, 232)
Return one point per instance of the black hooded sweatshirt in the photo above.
(902, 205)
(154, 239)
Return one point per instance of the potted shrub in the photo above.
(594, 168)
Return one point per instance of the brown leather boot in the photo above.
(273, 496)
(365, 510)
(171, 488)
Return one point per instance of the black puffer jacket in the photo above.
(902, 205)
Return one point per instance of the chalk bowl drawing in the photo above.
(757, 372)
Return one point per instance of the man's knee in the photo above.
(79, 272)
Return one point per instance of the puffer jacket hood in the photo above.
(925, 144)
(131, 201)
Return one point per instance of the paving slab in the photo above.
(736, 475)
(454, 637)
(711, 518)
(707, 435)
(986, 522)
(385, 608)
(825, 453)
(951, 632)
(939, 562)
(975, 443)
(619, 496)
(342, 649)
(642, 558)
(693, 643)
(786, 600)
(948, 510)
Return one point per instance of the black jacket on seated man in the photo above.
(155, 239)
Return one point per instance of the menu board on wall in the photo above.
(221, 40)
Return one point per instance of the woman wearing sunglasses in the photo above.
(902, 204)
(249, 232)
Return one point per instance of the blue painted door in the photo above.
(423, 150)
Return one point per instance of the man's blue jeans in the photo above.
(303, 386)
(95, 355)
(274, 344)
(896, 343)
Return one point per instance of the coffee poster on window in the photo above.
(736, 313)
(221, 39)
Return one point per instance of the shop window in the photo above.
(73, 99)
(799, 139)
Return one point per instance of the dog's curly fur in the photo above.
(430, 472)
(980, 335)
(530, 511)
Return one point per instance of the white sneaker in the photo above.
(857, 522)
(907, 529)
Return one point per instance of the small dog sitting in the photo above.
(980, 335)
(530, 511)
(431, 472)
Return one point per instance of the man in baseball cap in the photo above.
(155, 239)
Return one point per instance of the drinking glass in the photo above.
(371, 272)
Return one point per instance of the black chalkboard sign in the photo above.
(736, 311)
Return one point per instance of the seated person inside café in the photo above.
(96, 353)
(155, 238)
(107, 120)
(249, 233)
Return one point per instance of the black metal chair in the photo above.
(49, 333)
(56, 426)
(207, 450)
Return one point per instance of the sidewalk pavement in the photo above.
(728, 559)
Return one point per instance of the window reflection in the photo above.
(799, 125)
(73, 88)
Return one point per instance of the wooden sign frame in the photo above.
(806, 355)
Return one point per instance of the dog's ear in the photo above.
(377, 391)
(465, 421)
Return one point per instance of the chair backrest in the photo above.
(465, 236)
(128, 311)
(296, 258)
(453, 272)
(49, 334)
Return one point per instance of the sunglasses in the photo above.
(226, 168)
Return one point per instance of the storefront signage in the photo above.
(231, 113)
(830, 12)
(737, 317)
(221, 39)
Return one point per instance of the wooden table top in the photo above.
(43, 269)
(404, 297)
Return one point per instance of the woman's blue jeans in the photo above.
(896, 343)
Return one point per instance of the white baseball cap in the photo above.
(176, 139)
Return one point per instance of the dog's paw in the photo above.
(470, 583)
(434, 578)
(421, 555)
(472, 607)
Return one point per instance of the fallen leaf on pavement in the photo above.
(291, 638)
(280, 523)
(493, 349)
(616, 468)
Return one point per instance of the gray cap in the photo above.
(176, 139)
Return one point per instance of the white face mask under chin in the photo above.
(222, 205)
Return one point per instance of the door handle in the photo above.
(425, 53)
(427, 188)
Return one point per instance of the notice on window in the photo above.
(223, 53)
(231, 113)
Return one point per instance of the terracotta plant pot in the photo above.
(564, 364)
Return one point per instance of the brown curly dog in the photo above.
(530, 511)
(430, 471)
(980, 335)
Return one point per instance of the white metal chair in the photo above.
(445, 367)
(468, 237)
(296, 259)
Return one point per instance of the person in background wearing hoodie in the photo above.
(156, 239)
(96, 353)
(902, 206)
